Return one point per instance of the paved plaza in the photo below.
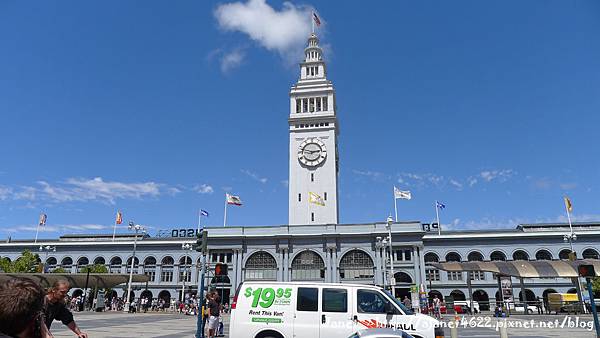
(121, 325)
(116, 324)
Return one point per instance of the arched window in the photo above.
(564, 254)
(431, 257)
(402, 278)
(520, 255)
(590, 254)
(356, 264)
(497, 256)
(260, 266)
(66, 263)
(166, 270)
(453, 257)
(454, 275)
(51, 263)
(82, 263)
(475, 256)
(150, 268)
(99, 261)
(308, 265)
(431, 274)
(136, 264)
(115, 265)
(543, 255)
(185, 269)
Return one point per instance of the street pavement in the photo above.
(172, 325)
(121, 325)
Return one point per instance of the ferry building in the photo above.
(313, 246)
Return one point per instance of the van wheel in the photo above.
(269, 334)
(529, 311)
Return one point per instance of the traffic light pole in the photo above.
(593, 303)
(200, 323)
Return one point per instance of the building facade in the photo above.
(344, 253)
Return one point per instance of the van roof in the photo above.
(306, 283)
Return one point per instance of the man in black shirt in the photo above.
(56, 308)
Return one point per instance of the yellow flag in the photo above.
(568, 204)
(316, 199)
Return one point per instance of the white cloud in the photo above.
(456, 184)
(203, 189)
(374, 175)
(284, 31)
(285, 183)
(500, 175)
(254, 176)
(62, 228)
(232, 60)
(5, 193)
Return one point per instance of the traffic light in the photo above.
(202, 241)
(587, 270)
(220, 269)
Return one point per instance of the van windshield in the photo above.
(399, 303)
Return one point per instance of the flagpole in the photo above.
(570, 225)
(199, 220)
(312, 20)
(225, 213)
(395, 205)
(437, 215)
(36, 233)
(114, 230)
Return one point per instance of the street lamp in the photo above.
(380, 244)
(46, 249)
(389, 223)
(186, 247)
(137, 228)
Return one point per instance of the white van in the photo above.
(320, 310)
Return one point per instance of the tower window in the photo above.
(298, 106)
(299, 197)
(317, 70)
(325, 103)
(312, 216)
(312, 71)
(304, 105)
(325, 197)
(318, 104)
(312, 177)
(312, 104)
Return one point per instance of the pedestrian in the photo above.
(55, 307)
(538, 305)
(213, 319)
(21, 309)
(407, 302)
(437, 304)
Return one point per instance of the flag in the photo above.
(316, 18)
(203, 212)
(42, 221)
(440, 205)
(119, 218)
(232, 199)
(315, 199)
(568, 204)
(405, 195)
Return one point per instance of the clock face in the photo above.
(312, 152)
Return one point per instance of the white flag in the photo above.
(315, 199)
(405, 195)
(232, 199)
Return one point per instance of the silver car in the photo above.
(381, 333)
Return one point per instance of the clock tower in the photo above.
(313, 143)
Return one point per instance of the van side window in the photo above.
(335, 300)
(308, 299)
(370, 301)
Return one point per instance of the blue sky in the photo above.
(158, 108)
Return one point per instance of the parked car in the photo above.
(381, 333)
(520, 308)
(463, 306)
